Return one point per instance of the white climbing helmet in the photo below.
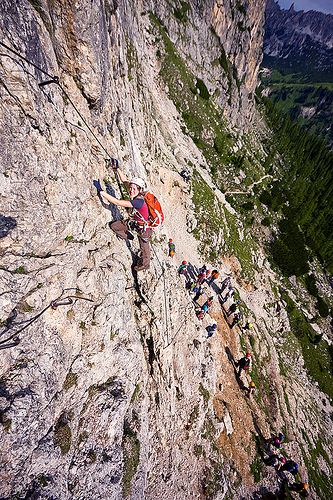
(139, 182)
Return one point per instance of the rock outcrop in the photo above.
(297, 35)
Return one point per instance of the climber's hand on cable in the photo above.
(115, 165)
(98, 186)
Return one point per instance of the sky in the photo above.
(325, 6)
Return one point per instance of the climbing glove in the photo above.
(115, 165)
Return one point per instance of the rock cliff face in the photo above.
(121, 395)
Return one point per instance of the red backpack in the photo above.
(156, 216)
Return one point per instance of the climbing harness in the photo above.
(60, 301)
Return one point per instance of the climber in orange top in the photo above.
(215, 274)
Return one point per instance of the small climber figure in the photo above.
(193, 291)
(211, 329)
(189, 285)
(277, 441)
(215, 274)
(203, 269)
(207, 275)
(201, 277)
(236, 319)
(209, 301)
(244, 363)
(275, 461)
(203, 311)
(182, 268)
(250, 389)
(248, 326)
(199, 292)
(301, 488)
(233, 309)
(290, 466)
(172, 248)
(229, 294)
(226, 282)
(186, 175)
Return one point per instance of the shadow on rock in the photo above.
(6, 225)
(191, 272)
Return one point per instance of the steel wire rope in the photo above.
(60, 301)
(165, 294)
(187, 309)
(56, 80)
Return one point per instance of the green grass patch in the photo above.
(131, 455)
(181, 13)
(135, 393)
(71, 379)
(62, 436)
(204, 393)
(20, 270)
(256, 468)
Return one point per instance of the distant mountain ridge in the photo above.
(298, 52)
(299, 38)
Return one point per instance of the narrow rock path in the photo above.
(231, 397)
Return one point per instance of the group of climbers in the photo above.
(282, 464)
(139, 222)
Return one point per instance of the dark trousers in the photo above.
(120, 227)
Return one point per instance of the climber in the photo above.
(250, 389)
(200, 291)
(139, 212)
(275, 461)
(192, 292)
(229, 294)
(203, 311)
(172, 248)
(215, 274)
(182, 268)
(201, 277)
(209, 301)
(236, 319)
(290, 466)
(233, 309)
(244, 363)
(186, 175)
(188, 285)
(248, 326)
(226, 282)
(203, 269)
(301, 488)
(211, 329)
(277, 441)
